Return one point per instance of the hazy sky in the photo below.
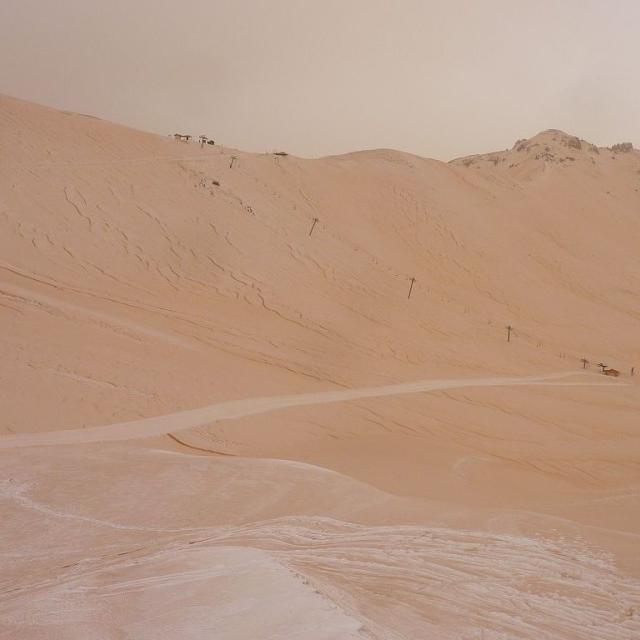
(440, 78)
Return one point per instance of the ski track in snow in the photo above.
(182, 420)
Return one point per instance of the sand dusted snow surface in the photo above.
(215, 425)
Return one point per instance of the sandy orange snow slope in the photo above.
(215, 424)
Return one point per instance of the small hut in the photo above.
(182, 137)
(611, 372)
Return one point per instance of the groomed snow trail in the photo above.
(190, 418)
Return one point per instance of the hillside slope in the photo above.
(119, 238)
(142, 277)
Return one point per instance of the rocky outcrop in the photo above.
(622, 147)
